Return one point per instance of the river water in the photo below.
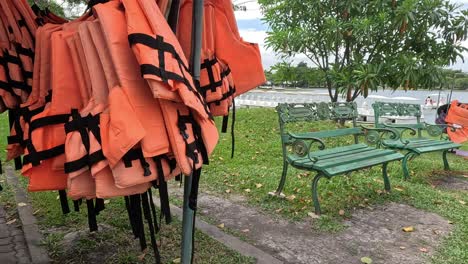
(270, 97)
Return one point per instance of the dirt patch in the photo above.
(453, 182)
(375, 233)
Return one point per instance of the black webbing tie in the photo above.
(12, 114)
(64, 201)
(147, 214)
(99, 205)
(136, 154)
(35, 157)
(92, 222)
(131, 217)
(153, 210)
(136, 206)
(76, 204)
(163, 192)
(233, 124)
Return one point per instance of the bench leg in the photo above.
(406, 173)
(446, 164)
(385, 177)
(315, 194)
(283, 178)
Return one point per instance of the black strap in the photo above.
(135, 200)
(12, 114)
(153, 210)
(76, 204)
(64, 201)
(233, 123)
(99, 205)
(85, 161)
(136, 154)
(49, 121)
(92, 222)
(35, 158)
(131, 218)
(161, 184)
(147, 214)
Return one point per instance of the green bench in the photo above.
(329, 162)
(414, 146)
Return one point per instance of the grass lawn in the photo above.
(257, 166)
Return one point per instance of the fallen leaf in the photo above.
(462, 202)
(258, 185)
(58, 197)
(408, 229)
(279, 210)
(143, 255)
(177, 260)
(450, 222)
(221, 158)
(221, 225)
(11, 222)
(22, 204)
(245, 231)
(402, 248)
(423, 250)
(398, 189)
(341, 212)
(313, 215)
(291, 197)
(247, 190)
(37, 211)
(366, 260)
(106, 201)
(228, 191)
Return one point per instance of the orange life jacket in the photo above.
(458, 116)
(230, 66)
(191, 130)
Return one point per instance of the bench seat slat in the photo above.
(362, 164)
(353, 158)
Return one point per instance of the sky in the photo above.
(252, 29)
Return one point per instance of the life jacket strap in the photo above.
(35, 157)
(92, 222)
(136, 154)
(148, 216)
(84, 125)
(64, 201)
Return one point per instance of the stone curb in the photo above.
(29, 223)
(231, 242)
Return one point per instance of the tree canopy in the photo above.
(364, 45)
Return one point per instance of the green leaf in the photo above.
(366, 260)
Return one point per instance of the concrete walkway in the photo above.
(12, 243)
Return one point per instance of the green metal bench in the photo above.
(417, 145)
(329, 162)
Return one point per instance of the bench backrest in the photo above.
(289, 113)
(398, 109)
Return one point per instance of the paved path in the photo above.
(12, 244)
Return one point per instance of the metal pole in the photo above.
(189, 214)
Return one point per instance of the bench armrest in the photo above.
(302, 145)
(375, 136)
(435, 130)
(401, 129)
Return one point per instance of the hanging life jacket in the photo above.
(458, 116)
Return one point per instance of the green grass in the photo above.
(114, 242)
(258, 162)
